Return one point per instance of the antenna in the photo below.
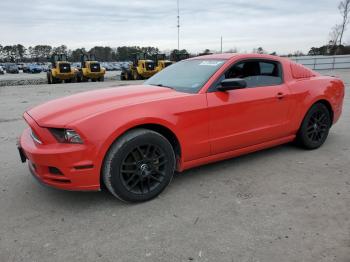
(178, 25)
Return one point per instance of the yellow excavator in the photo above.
(60, 70)
(90, 69)
(161, 62)
(140, 68)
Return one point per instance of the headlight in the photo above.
(66, 136)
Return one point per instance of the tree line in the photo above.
(335, 45)
(42, 53)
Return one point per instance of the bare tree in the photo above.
(334, 35)
(232, 50)
(344, 9)
(259, 50)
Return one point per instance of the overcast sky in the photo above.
(276, 25)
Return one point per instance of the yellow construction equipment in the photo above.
(60, 70)
(161, 62)
(90, 69)
(140, 68)
(178, 56)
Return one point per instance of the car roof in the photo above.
(228, 56)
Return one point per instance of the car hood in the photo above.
(63, 111)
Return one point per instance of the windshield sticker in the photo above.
(211, 63)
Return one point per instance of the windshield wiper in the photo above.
(161, 85)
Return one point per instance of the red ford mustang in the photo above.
(201, 110)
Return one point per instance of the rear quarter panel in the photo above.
(306, 92)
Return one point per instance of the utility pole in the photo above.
(178, 25)
(221, 45)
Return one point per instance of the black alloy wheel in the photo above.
(315, 127)
(139, 165)
(143, 169)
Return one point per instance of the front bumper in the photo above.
(63, 166)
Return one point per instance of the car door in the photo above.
(252, 115)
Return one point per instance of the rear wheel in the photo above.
(122, 76)
(139, 166)
(136, 75)
(49, 79)
(315, 127)
(54, 80)
(125, 75)
(101, 79)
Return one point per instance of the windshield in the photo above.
(186, 76)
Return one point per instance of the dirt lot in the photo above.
(41, 78)
(281, 204)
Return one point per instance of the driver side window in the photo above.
(256, 73)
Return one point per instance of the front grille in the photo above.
(64, 68)
(149, 66)
(95, 67)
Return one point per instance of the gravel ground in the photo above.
(281, 204)
(39, 79)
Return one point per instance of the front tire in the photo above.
(139, 166)
(315, 127)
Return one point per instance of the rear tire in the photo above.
(315, 127)
(54, 80)
(136, 75)
(139, 166)
(125, 76)
(49, 81)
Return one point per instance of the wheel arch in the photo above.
(160, 128)
(323, 101)
(166, 132)
(328, 105)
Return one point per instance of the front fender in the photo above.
(126, 127)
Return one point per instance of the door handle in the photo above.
(280, 95)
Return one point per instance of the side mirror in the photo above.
(232, 84)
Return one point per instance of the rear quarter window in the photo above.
(300, 71)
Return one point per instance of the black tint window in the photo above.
(267, 68)
(256, 73)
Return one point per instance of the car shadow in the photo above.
(236, 162)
